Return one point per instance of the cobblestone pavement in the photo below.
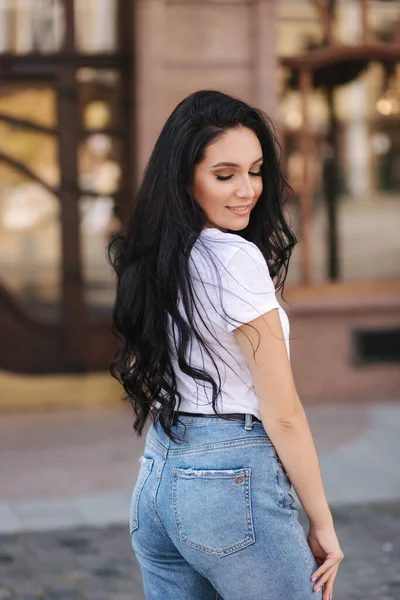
(98, 563)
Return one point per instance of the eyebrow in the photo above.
(229, 164)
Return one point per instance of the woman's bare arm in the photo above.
(282, 413)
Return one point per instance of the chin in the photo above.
(232, 226)
(238, 226)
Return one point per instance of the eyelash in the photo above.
(222, 178)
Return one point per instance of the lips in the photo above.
(240, 211)
(242, 206)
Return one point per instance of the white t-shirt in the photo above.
(245, 290)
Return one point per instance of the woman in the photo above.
(204, 355)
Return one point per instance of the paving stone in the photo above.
(6, 559)
(26, 597)
(27, 586)
(97, 563)
(72, 594)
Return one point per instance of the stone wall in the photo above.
(186, 45)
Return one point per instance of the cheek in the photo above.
(214, 195)
(220, 193)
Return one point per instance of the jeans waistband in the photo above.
(159, 440)
(248, 418)
(230, 416)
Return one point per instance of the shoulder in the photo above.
(237, 269)
(228, 260)
(228, 247)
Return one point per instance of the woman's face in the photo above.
(227, 182)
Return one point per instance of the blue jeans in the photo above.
(213, 518)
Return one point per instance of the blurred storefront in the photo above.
(85, 86)
(339, 110)
(66, 175)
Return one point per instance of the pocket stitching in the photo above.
(134, 516)
(254, 441)
(222, 473)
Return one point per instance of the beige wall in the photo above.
(186, 45)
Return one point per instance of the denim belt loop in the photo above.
(248, 424)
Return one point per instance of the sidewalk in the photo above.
(66, 482)
(78, 467)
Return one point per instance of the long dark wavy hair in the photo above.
(152, 260)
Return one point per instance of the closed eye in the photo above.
(223, 177)
(227, 177)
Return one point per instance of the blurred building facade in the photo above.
(85, 86)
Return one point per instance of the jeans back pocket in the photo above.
(213, 509)
(146, 465)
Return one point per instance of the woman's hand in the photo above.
(328, 555)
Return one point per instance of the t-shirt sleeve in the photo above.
(247, 288)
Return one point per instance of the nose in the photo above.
(246, 189)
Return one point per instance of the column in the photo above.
(150, 44)
(264, 56)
